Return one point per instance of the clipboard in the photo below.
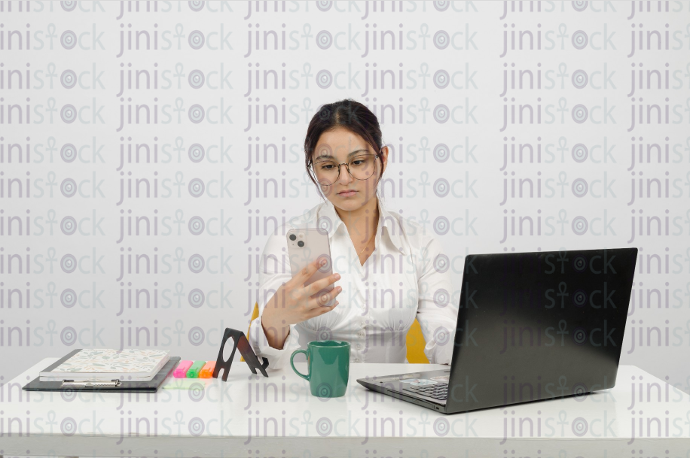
(150, 386)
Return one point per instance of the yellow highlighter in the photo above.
(207, 370)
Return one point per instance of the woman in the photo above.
(386, 270)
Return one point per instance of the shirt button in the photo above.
(358, 346)
(356, 360)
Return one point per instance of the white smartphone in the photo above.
(304, 247)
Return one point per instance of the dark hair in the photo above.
(348, 114)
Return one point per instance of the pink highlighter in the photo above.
(182, 368)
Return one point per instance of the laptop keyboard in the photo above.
(436, 391)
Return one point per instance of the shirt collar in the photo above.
(328, 218)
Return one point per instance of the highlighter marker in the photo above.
(207, 370)
(193, 371)
(181, 370)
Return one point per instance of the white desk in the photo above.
(284, 420)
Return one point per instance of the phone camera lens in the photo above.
(300, 244)
(292, 237)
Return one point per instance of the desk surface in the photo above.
(254, 416)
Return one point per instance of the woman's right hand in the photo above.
(292, 303)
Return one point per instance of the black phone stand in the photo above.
(248, 354)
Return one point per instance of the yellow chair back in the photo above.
(414, 340)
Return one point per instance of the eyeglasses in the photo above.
(360, 167)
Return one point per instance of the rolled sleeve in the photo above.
(436, 312)
(274, 270)
(277, 359)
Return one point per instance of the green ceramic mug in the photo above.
(329, 367)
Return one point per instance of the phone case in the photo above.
(315, 245)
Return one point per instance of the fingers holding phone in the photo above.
(310, 292)
(320, 295)
(295, 302)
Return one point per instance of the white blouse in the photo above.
(406, 276)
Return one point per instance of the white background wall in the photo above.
(445, 93)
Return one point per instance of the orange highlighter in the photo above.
(207, 370)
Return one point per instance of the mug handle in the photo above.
(305, 377)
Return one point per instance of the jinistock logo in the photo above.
(153, 153)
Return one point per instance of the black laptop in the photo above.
(531, 326)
